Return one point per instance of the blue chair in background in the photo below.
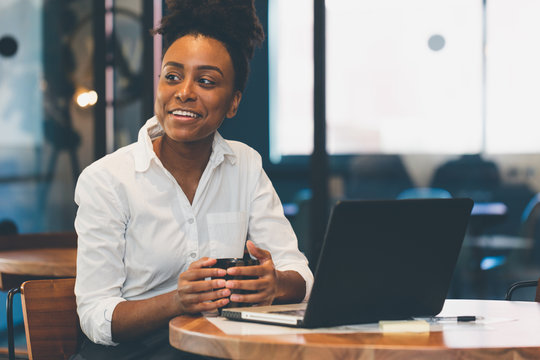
(530, 227)
(376, 176)
(531, 215)
(424, 193)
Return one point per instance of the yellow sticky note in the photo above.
(403, 326)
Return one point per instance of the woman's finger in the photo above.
(253, 285)
(258, 253)
(260, 298)
(197, 307)
(254, 270)
(202, 262)
(202, 273)
(185, 287)
(194, 298)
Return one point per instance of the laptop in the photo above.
(380, 260)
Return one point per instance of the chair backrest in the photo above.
(377, 176)
(524, 284)
(50, 318)
(468, 176)
(530, 216)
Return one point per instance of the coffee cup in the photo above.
(225, 263)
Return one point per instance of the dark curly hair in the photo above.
(232, 22)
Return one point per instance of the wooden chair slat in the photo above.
(50, 318)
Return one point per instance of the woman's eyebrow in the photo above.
(210, 67)
(173, 63)
(201, 67)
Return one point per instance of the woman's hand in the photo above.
(195, 294)
(265, 286)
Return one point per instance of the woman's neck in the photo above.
(185, 162)
(184, 157)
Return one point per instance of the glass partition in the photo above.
(45, 121)
(49, 97)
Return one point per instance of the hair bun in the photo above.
(232, 19)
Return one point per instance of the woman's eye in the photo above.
(172, 77)
(206, 82)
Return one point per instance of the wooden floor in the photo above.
(19, 355)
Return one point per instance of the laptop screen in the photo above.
(387, 260)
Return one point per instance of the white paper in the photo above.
(231, 327)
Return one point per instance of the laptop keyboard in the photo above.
(300, 312)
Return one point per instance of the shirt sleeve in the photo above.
(100, 224)
(269, 229)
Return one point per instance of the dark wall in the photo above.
(250, 125)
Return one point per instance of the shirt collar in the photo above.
(221, 150)
(144, 151)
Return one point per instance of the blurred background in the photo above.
(423, 98)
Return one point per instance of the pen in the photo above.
(463, 318)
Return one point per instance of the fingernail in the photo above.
(222, 272)
(235, 297)
(221, 283)
(229, 284)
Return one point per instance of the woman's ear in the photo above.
(234, 104)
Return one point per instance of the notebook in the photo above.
(380, 260)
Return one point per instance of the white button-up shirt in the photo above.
(138, 232)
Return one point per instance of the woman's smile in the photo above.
(184, 116)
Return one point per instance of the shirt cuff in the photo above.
(304, 273)
(98, 326)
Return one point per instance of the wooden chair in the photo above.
(50, 318)
(12, 282)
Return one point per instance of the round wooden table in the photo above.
(40, 262)
(35, 263)
(511, 331)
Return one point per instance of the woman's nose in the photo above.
(185, 91)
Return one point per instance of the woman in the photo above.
(154, 216)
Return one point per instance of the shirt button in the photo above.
(190, 221)
(193, 255)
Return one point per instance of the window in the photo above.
(408, 77)
(20, 68)
(290, 50)
(513, 76)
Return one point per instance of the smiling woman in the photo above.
(195, 94)
(155, 215)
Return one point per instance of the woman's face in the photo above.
(196, 89)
